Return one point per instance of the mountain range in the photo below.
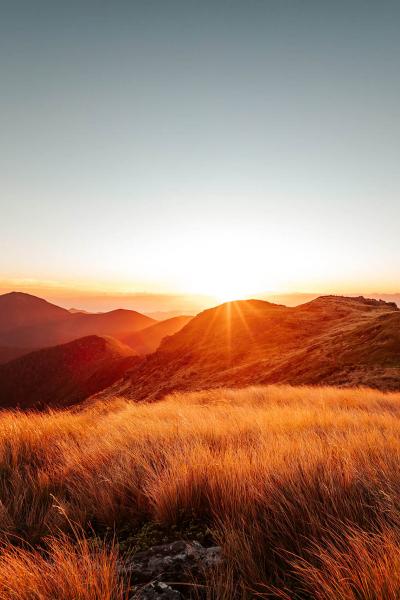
(30, 322)
(331, 340)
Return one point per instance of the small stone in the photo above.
(156, 591)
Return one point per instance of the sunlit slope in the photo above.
(331, 340)
(63, 375)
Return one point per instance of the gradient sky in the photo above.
(224, 147)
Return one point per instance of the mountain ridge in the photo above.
(325, 341)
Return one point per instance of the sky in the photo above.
(216, 149)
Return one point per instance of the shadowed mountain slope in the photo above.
(330, 340)
(63, 375)
(8, 353)
(34, 323)
(147, 340)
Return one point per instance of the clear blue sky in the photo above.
(224, 147)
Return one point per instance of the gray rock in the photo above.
(171, 562)
(152, 570)
(156, 591)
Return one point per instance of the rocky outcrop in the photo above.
(160, 572)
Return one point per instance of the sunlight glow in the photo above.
(224, 264)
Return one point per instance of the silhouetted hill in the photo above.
(7, 353)
(163, 315)
(147, 340)
(63, 375)
(23, 310)
(34, 323)
(330, 340)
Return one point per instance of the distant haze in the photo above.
(164, 306)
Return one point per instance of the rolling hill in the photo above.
(23, 310)
(147, 340)
(330, 340)
(34, 323)
(63, 375)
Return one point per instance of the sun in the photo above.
(225, 280)
(229, 291)
(223, 264)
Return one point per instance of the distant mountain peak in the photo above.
(18, 309)
(25, 296)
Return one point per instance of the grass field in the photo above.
(300, 486)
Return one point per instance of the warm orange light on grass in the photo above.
(298, 484)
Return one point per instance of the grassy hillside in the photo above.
(299, 485)
(331, 340)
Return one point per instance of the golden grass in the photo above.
(359, 565)
(300, 485)
(67, 570)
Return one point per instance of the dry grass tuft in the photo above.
(360, 565)
(67, 570)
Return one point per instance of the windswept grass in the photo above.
(301, 486)
(67, 571)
